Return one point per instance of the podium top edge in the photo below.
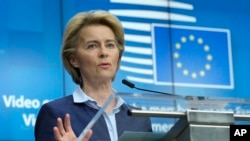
(184, 97)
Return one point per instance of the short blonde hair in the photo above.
(71, 36)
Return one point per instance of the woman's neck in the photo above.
(100, 92)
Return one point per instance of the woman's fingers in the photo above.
(88, 135)
(64, 132)
(67, 123)
(57, 134)
(59, 130)
(60, 126)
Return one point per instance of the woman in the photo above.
(93, 44)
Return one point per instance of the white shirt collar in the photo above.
(80, 96)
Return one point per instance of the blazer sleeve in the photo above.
(45, 122)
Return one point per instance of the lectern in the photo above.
(204, 119)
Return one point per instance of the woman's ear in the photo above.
(73, 61)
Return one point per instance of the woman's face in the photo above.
(97, 53)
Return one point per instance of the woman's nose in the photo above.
(103, 52)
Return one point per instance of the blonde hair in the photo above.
(71, 36)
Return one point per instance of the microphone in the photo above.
(132, 85)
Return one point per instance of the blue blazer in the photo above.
(80, 115)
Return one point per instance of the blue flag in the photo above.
(192, 56)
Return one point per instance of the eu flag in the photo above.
(194, 56)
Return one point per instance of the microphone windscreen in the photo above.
(131, 85)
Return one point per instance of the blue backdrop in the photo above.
(183, 47)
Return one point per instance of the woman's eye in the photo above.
(110, 45)
(91, 46)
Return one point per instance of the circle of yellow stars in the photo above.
(206, 48)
